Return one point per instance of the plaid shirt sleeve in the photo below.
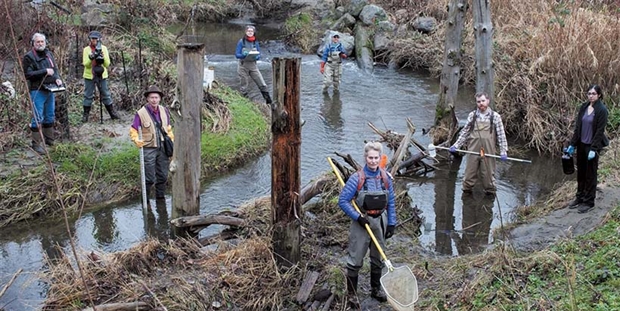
(501, 134)
(465, 131)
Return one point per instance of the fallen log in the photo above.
(402, 149)
(315, 188)
(128, 306)
(202, 221)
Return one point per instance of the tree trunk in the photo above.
(186, 175)
(285, 161)
(483, 29)
(451, 72)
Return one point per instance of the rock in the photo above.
(383, 35)
(356, 6)
(363, 53)
(343, 22)
(425, 24)
(372, 14)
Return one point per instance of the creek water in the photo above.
(454, 224)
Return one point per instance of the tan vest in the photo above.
(149, 128)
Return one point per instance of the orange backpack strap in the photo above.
(362, 179)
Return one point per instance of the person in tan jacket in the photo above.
(153, 118)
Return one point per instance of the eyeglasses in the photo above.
(592, 93)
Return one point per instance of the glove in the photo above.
(503, 157)
(591, 155)
(133, 133)
(245, 53)
(452, 149)
(389, 232)
(570, 150)
(170, 133)
(91, 56)
(343, 55)
(363, 221)
(322, 68)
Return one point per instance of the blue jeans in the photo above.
(44, 104)
(89, 92)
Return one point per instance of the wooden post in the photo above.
(445, 120)
(186, 160)
(483, 30)
(285, 160)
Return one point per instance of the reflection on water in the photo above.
(455, 225)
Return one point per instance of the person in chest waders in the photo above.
(373, 192)
(248, 52)
(484, 130)
(331, 66)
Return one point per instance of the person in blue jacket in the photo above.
(373, 192)
(248, 52)
(331, 65)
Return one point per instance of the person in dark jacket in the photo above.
(248, 52)
(41, 71)
(588, 140)
(376, 201)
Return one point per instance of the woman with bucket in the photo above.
(588, 140)
(374, 194)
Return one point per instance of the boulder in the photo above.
(343, 22)
(384, 32)
(425, 24)
(356, 6)
(363, 52)
(372, 14)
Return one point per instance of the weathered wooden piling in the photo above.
(285, 160)
(186, 115)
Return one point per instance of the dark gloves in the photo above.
(91, 56)
(389, 232)
(362, 221)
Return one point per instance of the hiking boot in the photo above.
(37, 140)
(85, 114)
(111, 112)
(584, 208)
(48, 133)
(573, 204)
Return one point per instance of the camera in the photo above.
(98, 53)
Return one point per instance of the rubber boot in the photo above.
(354, 302)
(48, 133)
(85, 114)
(37, 141)
(111, 112)
(375, 283)
(267, 98)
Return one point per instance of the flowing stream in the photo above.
(454, 224)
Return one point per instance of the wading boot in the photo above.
(266, 97)
(352, 299)
(48, 133)
(375, 283)
(85, 114)
(111, 112)
(37, 141)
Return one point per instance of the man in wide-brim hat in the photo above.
(154, 121)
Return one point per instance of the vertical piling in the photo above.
(285, 160)
(186, 115)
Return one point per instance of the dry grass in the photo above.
(546, 54)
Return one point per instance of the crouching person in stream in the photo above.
(373, 192)
(154, 120)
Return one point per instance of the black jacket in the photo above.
(599, 140)
(35, 68)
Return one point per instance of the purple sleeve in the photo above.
(136, 122)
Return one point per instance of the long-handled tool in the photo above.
(142, 174)
(432, 153)
(399, 284)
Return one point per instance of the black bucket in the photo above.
(568, 166)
